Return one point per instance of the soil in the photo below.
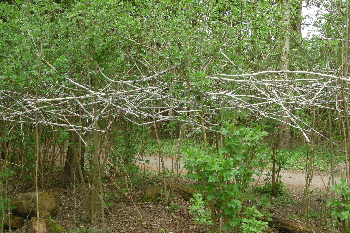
(125, 212)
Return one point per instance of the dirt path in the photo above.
(291, 179)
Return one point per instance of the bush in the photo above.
(225, 177)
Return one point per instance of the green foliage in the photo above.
(251, 221)
(6, 173)
(281, 189)
(295, 159)
(281, 159)
(225, 177)
(76, 37)
(125, 146)
(341, 205)
(129, 39)
(63, 136)
(4, 201)
(169, 146)
(199, 211)
(55, 228)
(173, 208)
(3, 209)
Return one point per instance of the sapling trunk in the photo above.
(160, 153)
(346, 132)
(167, 186)
(332, 151)
(204, 132)
(309, 169)
(37, 146)
(345, 61)
(178, 148)
(274, 176)
(5, 207)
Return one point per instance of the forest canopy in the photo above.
(139, 58)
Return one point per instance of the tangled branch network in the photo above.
(278, 95)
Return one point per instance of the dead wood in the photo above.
(185, 191)
(292, 226)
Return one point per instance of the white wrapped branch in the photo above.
(144, 101)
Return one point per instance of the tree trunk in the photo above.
(285, 137)
(74, 164)
(4, 149)
(296, 16)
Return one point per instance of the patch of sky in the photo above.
(311, 18)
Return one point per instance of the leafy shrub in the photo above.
(267, 189)
(199, 211)
(341, 205)
(225, 177)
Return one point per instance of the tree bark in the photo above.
(285, 132)
(74, 164)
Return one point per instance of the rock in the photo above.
(13, 221)
(152, 193)
(43, 226)
(25, 204)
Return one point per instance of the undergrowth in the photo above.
(296, 158)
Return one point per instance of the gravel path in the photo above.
(291, 179)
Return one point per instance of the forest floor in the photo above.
(294, 181)
(125, 212)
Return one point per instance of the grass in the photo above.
(169, 146)
(296, 159)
